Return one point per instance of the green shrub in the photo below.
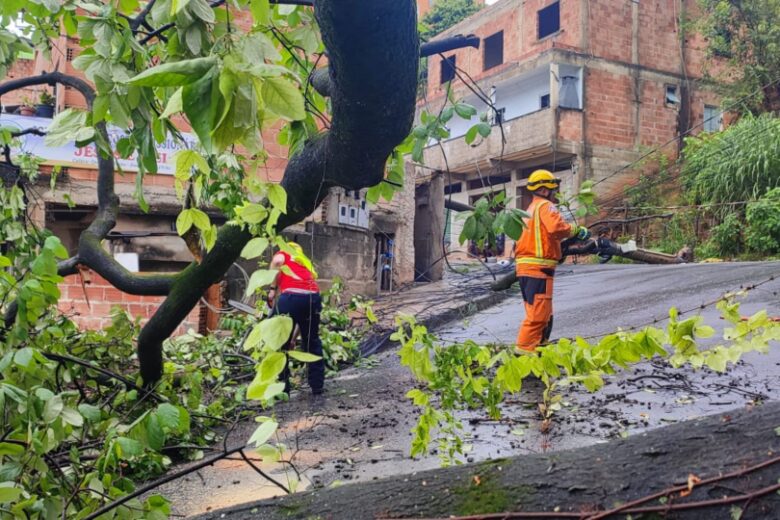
(763, 224)
(725, 238)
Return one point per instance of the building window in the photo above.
(713, 119)
(672, 97)
(455, 187)
(494, 51)
(490, 180)
(544, 101)
(447, 69)
(549, 20)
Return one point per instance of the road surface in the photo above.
(360, 430)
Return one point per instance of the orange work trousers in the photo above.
(537, 325)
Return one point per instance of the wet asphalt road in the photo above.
(360, 429)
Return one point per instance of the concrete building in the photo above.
(370, 249)
(580, 87)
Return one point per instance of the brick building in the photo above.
(369, 248)
(581, 87)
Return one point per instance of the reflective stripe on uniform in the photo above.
(538, 229)
(536, 261)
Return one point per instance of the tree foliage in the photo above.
(747, 33)
(444, 14)
(230, 70)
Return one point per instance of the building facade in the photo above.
(580, 87)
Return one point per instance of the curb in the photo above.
(380, 340)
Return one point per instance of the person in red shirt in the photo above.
(299, 297)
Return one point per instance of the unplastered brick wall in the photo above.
(20, 69)
(90, 305)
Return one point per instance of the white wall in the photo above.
(519, 96)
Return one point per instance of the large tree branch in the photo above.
(368, 41)
(320, 78)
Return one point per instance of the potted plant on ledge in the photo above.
(27, 107)
(45, 106)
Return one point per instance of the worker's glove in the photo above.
(582, 233)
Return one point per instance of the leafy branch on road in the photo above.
(470, 376)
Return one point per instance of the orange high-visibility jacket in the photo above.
(539, 246)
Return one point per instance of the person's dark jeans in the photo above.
(304, 309)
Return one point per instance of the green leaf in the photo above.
(278, 197)
(200, 101)
(184, 221)
(90, 412)
(270, 334)
(174, 105)
(283, 98)
(119, 114)
(67, 127)
(153, 432)
(704, 331)
(304, 357)
(263, 432)
(14, 450)
(260, 10)
(202, 10)
(419, 397)
(417, 150)
(186, 160)
(471, 134)
(9, 492)
(177, 6)
(254, 248)
(273, 390)
(272, 366)
(128, 448)
(53, 409)
(176, 74)
(168, 415)
(23, 357)
(72, 417)
(200, 219)
(513, 226)
(465, 111)
(593, 382)
(268, 453)
(260, 278)
(251, 213)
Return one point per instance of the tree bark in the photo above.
(575, 483)
(372, 56)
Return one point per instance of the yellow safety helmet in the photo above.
(542, 179)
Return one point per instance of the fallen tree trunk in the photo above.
(589, 247)
(734, 454)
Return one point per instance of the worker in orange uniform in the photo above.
(537, 253)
